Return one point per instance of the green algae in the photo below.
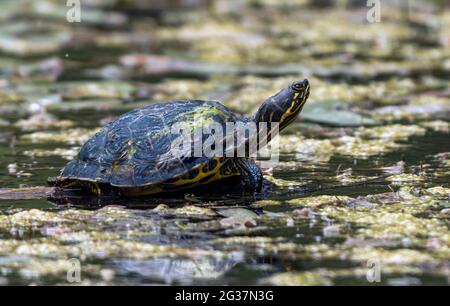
(405, 178)
(317, 201)
(71, 136)
(310, 278)
(388, 132)
(338, 199)
(101, 90)
(365, 143)
(42, 122)
(71, 234)
(285, 183)
(68, 154)
(437, 126)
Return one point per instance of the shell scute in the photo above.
(136, 149)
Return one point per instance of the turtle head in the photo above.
(285, 106)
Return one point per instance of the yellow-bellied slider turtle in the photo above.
(134, 154)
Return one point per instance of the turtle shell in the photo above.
(136, 149)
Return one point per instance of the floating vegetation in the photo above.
(68, 154)
(71, 136)
(402, 178)
(43, 121)
(357, 147)
(423, 107)
(437, 126)
(363, 173)
(391, 132)
(105, 90)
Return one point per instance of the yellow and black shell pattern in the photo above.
(134, 153)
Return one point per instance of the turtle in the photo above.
(134, 155)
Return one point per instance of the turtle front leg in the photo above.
(251, 176)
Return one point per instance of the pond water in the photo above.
(360, 196)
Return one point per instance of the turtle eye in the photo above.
(298, 87)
